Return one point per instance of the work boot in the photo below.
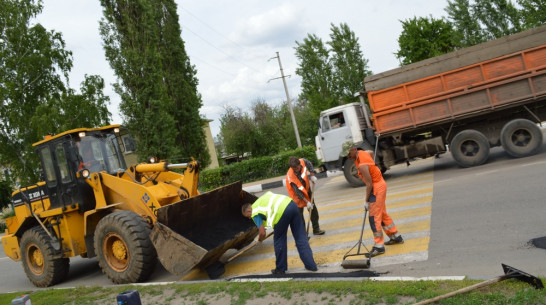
(394, 241)
(375, 252)
(312, 269)
(277, 271)
(319, 232)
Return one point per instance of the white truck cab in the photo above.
(336, 126)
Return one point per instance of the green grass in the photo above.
(296, 292)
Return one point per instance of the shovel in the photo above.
(216, 269)
(509, 273)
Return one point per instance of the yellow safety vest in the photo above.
(272, 206)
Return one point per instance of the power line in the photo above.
(215, 31)
(211, 65)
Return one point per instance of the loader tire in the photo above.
(469, 148)
(521, 138)
(124, 249)
(351, 174)
(38, 257)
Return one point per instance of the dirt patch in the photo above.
(170, 297)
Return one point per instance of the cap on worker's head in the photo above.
(345, 148)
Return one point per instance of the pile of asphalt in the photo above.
(358, 274)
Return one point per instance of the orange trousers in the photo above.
(379, 218)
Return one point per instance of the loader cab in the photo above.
(66, 156)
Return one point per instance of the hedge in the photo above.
(253, 169)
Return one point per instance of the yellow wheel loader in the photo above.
(92, 205)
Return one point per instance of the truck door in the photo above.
(59, 175)
(333, 132)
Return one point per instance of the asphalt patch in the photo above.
(360, 273)
(539, 242)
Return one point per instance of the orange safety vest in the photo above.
(363, 157)
(292, 177)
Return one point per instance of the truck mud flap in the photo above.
(196, 232)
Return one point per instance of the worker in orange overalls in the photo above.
(299, 189)
(376, 195)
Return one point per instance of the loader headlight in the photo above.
(84, 173)
(152, 159)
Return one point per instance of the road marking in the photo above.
(409, 202)
(534, 163)
(486, 172)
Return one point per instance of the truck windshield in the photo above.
(100, 153)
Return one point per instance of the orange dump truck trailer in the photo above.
(491, 94)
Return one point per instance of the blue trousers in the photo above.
(292, 217)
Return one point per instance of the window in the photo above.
(337, 120)
(62, 162)
(333, 121)
(100, 153)
(325, 124)
(113, 158)
(49, 169)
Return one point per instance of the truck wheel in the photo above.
(124, 249)
(351, 173)
(469, 148)
(38, 257)
(521, 138)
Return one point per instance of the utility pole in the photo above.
(289, 102)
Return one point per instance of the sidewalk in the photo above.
(258, 186)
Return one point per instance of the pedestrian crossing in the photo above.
(341, 210)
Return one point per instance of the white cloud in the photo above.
(278, 27)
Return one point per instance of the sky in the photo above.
(234, 44)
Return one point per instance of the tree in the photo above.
(349, 66)
(74, 110)
(316, 73)
(268, 137)
(34, 89)
(307, 124)
(330, 77)
(5, 193)
(533, 13)
(237, 130)
(499, 17)
(422, 38)
(467, 27)
(157, 83)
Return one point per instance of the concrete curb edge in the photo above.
(279, 183)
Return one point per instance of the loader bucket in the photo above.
(196, 232)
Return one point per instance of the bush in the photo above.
(253, 169)
(6, 213)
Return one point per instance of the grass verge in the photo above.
(293, 292)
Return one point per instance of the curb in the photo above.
(280, 183)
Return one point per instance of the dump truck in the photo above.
(91, 204)
(467, 101)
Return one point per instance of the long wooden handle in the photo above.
(247, 248)
(312, 197)
(462, 290)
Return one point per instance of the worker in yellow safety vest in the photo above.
(279, 212)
